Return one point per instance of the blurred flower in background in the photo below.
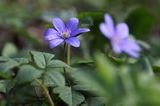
(119, 37)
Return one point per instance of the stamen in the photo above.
(65, 35)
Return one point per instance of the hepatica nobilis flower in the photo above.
(64, 32)
(119, 37)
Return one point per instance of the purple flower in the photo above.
(119, 37)
(64, 32)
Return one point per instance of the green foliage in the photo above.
(45, 60)
(72, 98)
(53, 78)
(20, 74)
(27, 73)
(38, 66)
(105, 68)
(128, 88)
(9, 50)
(8, 64)
(90, 83)
(143, 24)
(3, 85)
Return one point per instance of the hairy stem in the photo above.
(66, 60)
(68, 54)
(46, 93)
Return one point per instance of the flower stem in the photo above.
(68, 54)
(66, 60)
(46, 93)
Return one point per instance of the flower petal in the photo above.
(73, 41)
(72, 24)
(59, 25)
(51, 34)
(55, 42)
(131, 48)
(79, 31)
(106, 31)
(122, 30)
(131, 52)
(109, 23)
(132, 44)
(116, 47)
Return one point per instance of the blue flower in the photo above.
(64, 32)
(119, 37)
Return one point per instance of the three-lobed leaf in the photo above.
(49, 67)
(45, 60)
(69, 96)
(27, 73)
(53, 78)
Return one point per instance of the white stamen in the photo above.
(65, 35)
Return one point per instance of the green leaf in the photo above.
(148, 66)
(22, 93)
(156, 70)
(97, 101)
(145, 66)
(22, 60)
(7, 65)
(56, 64)
(142, 25)
(86, 81)
(3, 85)
(72, 98)
(65, 93)
(38, 59)
(105, 68)
(3, 59)
(49, 66)
(9, 50)
(3, 103)
(27, 73)
(83, 87)
(53, 78)
(77, 97)
(45, 60)
(144, 44)
(4, 75)
(48, 57)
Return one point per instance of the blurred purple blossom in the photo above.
(119, 37)
(64, 32)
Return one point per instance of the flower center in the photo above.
(116, 39)
(65, 34)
